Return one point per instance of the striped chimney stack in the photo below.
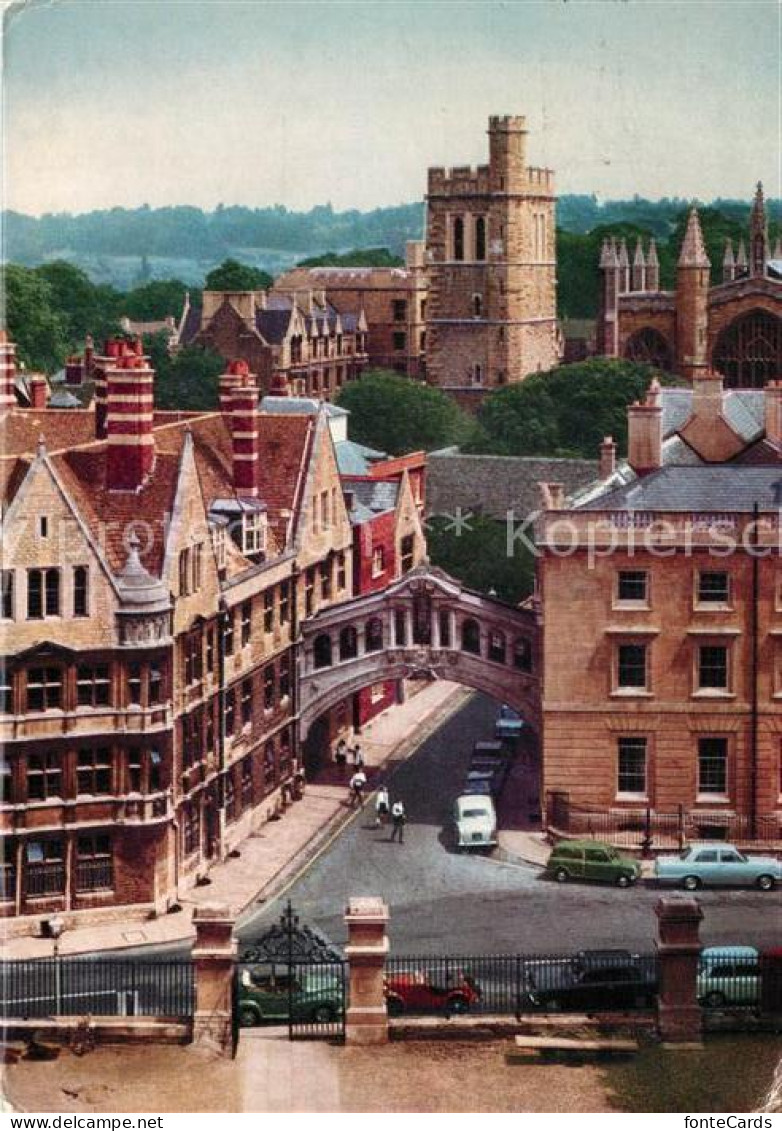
(129, 413)
(7, 372)
(243, 416)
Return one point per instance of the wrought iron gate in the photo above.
(292, 975)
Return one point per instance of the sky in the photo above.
(125, 102)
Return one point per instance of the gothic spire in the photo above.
(693, 253)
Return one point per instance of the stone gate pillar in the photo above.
(679, 1016)
(214, 957)
(367, 1016)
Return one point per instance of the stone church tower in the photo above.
(491, 313)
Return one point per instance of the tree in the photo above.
(566, 411)
(234, 276)
(84, 307)
(40, 332)
(476, 551)
(398, 415)
(189, 380)
(154, 300)
(359, 257)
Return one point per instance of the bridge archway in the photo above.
(425, 625)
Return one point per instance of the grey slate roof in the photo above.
(192, 325)
(494, 485)
(300, 406)
(356, 459)
(371, 497)
(725, 487)
(743, 409)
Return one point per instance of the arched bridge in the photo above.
(424, 625)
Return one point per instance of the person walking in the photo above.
(358, 757)
(341, 756)
(398, 819)
(382, 806)
(357, 783)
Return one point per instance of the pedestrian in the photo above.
(358, 757)
(382, 806)
(357, 783)
(341, 755)
(398, 818)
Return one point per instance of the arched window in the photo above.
(748, 353)
(480, 238)
(471, 637)
(522, 654)
(321, 651)
(348, 643)
(497, 647)
(477, 306)
(458, 238)
(374, 635)
(650, 347)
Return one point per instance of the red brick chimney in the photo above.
(129, 409)
(607, 457)
(233, 376)
(7, 372)
(645, 433)
(243, 421)
(39, 390)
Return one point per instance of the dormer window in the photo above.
(254, 532)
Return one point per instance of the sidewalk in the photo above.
(279, 848)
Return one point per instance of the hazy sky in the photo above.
(121, 102)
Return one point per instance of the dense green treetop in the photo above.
(359, 257)
(566, 411)
(234, 276)
(187, 381)
(474, 548)
(39, 330)
(396, 415)
(156, 300)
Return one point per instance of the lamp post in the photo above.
(56, 927)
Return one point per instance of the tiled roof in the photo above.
(725, 487)
(272, 324)
(742, 408)
(60, 428)
(192, 325)
(356, 459)
(371, 497)
(295, 406)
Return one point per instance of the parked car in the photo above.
(489, 765)
(509, 723)
(592, 860)
(272, 994)
(475, 821)
(717, 865)
(489, 781)
(593, 980)
(413, 991)
(729, 975)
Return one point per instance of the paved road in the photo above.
(447, 903)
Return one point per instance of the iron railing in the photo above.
(7, 881)
(653, 828)
(45, 878)
(64, 987)
(94, 875)
(587, 982)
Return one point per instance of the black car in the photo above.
(591, 982)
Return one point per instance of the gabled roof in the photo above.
(356, 459)
(371, 497)
(709, 488)
(742, 408)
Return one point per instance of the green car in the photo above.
(592, 860)
(269, 994)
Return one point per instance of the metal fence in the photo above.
(66, 987)
(588, 982)
(652, 828)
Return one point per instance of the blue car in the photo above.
(509, 723)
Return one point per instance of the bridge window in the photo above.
(471, 637)
(445, 629)
(400, 634)
(321, 651)
(497, 647)
(374, 635)
(348, 643)
(522, 655)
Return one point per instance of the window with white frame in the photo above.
(713, 766)
(254, 532)
(713, 672)
(631, 766)
(378, 561)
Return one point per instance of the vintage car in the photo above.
(415, 992)
(509, 723)
(272, 994)
(591, 860)
(592, 981)
(715, 865)
(729, 976)
(475, 821)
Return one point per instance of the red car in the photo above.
(415, 992)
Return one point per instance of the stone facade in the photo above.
(734, 328)
(491, 313)
(147, 708)
(662, 621)
(393, 300)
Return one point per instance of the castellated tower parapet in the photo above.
(492, 267)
